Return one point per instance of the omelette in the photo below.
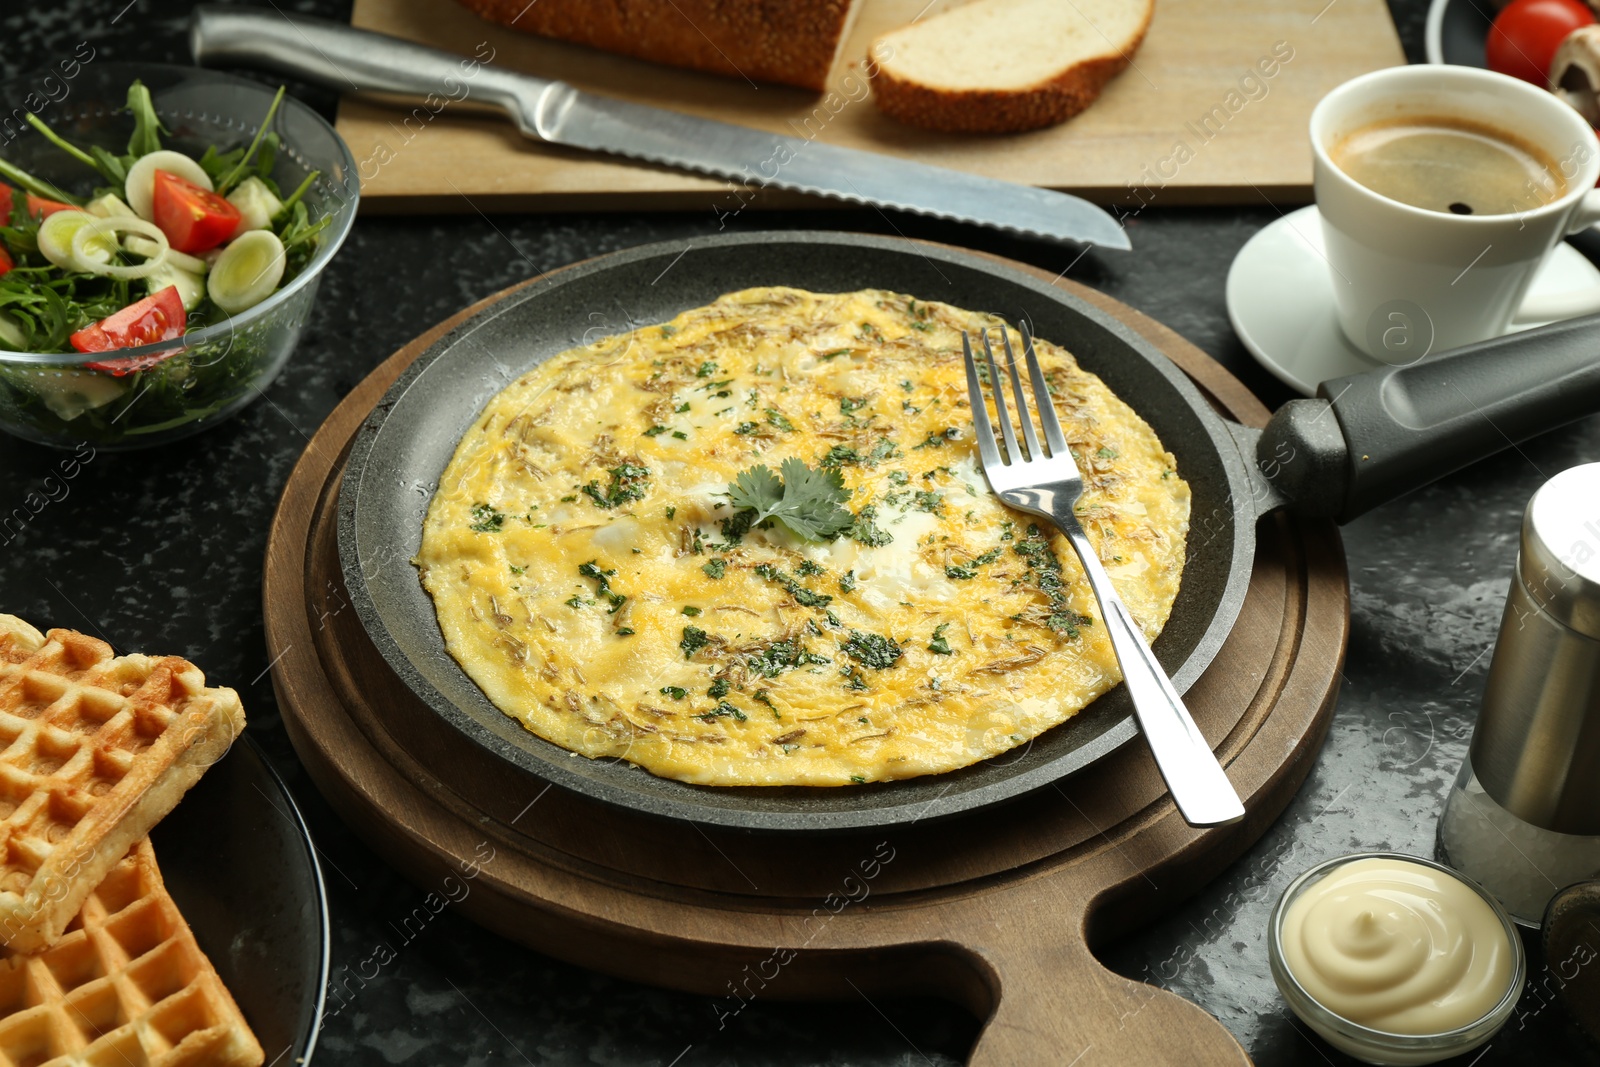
(754, 546)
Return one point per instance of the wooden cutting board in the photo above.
(1193, 121)
(997, 910)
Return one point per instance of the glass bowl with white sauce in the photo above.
(1395, 959)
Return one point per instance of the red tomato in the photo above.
(158, 317)
(1525, 36)
(194, 219)
(5, 261)
(38, 206)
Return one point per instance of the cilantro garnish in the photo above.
(486, 519)
(602, 581)
(1045, 571)
(872, 650)
(939, 645)
(715, 569)
(628, 482)
(722, 708)
(937, 440)
(694, 639)
(676, 692)
(784, 655)
(866, 530)
(807, 501)
(802, 596)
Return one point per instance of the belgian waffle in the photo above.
(94, 750)
(126, 985)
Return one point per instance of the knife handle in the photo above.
(341, 57)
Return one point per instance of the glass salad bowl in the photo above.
(170, 389)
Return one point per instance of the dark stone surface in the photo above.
(161, 551)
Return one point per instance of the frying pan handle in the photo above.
(1372, 437)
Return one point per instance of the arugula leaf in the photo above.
(241, 169)
(37, 186)
(147, 128)
(61, 142)
(806, 501)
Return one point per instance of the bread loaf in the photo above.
(996, 66)
(794, 42)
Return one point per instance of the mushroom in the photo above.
(1575, 72)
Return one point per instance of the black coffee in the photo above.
(1450, 165)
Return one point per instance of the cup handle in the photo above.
(1559, 306)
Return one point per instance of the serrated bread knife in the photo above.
(340, 57)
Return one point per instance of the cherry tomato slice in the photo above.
(158, 317)
(1525, 36)
(194, 219)
(38, 206)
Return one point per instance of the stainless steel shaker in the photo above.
(1524, 814)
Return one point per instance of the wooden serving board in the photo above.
(996, 910)
(1185, 124)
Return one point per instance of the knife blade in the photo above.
(344, 58)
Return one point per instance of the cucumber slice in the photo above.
(143, 246)
(141, 183)
(248, 271)
(69, 394)
(191, 286)
(55, 240)
(256, 203)
(109, 206)
(11, 336)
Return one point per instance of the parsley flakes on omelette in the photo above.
(595, 559)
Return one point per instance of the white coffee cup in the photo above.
(1407, 280)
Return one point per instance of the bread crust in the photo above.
(1046, 103)
(793, 42)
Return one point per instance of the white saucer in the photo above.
(1281, 301)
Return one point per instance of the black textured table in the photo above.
(161, 551)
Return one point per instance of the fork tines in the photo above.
(1055, 442)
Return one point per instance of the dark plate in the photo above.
(400, 451)
(239, 862)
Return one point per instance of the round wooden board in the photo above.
(996, 910)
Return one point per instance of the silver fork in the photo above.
(1046, 482)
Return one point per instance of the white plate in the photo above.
(1281, 302)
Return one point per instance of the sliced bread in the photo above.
(794, 42)
(998, 66)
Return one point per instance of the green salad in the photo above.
(167, 243)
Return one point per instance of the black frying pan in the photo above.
(404, 445)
